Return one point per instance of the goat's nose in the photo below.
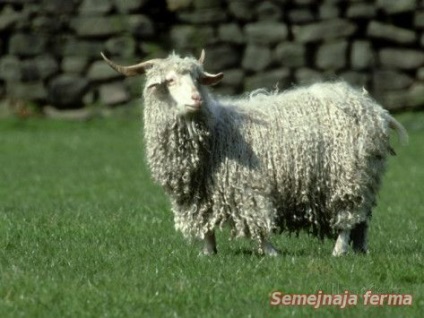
(196, 98)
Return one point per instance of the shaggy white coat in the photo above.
(308, 158)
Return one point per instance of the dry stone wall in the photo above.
(49, 49)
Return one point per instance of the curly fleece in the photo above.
(309, 158)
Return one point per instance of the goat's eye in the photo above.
(153, 85)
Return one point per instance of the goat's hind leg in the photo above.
(359, 238)
(267, 248)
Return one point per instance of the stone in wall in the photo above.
(67, 91)
(39, 68)
(390, 32)
(269, 11)
(393, 100)
(188, 36)
(47, 25)
(126, 6)
(231, 33)
(328, 11)
(357, 79)
(33, 91)
(401, 58)
(150, 50)
(59, 6)
(361, 10)
(301, 16)
(256, 57)
(415, 95)
(362, 56)
(290, 54)
(10, 68)
(24, 44)
(306, 75)
(221, 57)
(411, 98)
(396, 6)
(328, 29)
(100, 71)
(113, 93)
(205, 4)
(8, 18)
(241, 10)
(277, 78)
(265, 32)
(419, 19)
(332, 55)
(175, 5)
(94, 26)
(203, 16)
(302, 2)
(134, 86)
(74, 64)
(72, 46)
(233, 78)
(420, 74)
(387, 80)
(123, 46)
(95, 7)
(140, 26)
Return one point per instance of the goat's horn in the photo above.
(202, 56)
(131, 70)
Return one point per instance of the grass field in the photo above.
(84, 233)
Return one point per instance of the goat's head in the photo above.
(180, 77)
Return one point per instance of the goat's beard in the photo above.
(195, 130)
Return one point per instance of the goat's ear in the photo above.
(210, 79)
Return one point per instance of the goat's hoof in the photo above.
(339, 253)
(272, 253)
(206, 252)
(269, 251)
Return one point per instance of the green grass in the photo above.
(84, 233)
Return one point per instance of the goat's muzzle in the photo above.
(197, 100)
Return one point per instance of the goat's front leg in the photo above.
(267, 248)
(209, 244)
(342, 243)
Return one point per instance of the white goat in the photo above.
(308, 158)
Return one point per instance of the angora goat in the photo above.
(310, 158)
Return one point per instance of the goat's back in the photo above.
(320, 149)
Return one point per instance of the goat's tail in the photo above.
(400, 130)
